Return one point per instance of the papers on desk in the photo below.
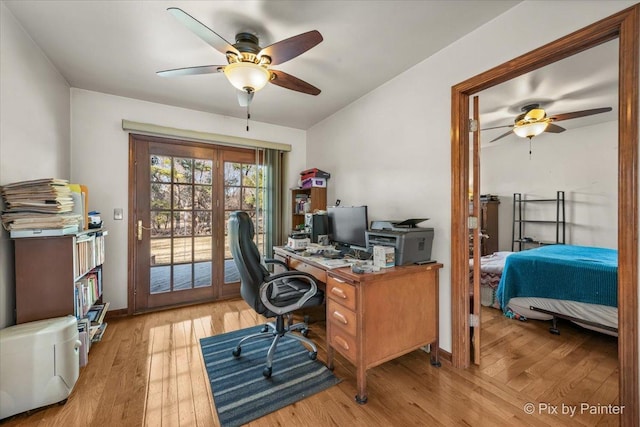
(332, 263)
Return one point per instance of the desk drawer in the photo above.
(344, 343)
(341, 317)
(316, 272)
(341, 292)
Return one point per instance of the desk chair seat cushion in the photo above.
(285, 292)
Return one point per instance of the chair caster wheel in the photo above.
(267, 372)
(304, 332)
(265, 328)
(236, 351)
(313, 355)
(361, 400)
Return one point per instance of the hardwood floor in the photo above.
(148, 371)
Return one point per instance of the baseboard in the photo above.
(112, 314)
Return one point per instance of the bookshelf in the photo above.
(59, 275)
(315, 196)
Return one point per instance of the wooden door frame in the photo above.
(222, 292)
(624, 26)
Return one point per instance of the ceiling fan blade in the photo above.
(551, 128)
(192, 71)
(501, 136)
(288, 81)
(287, 49)
(498, 127)
(205, 33)
(583, 113)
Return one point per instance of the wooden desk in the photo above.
(375, 317)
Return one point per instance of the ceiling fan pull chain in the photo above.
(248, 117)
(530, 138)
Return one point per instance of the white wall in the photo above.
(34, 129)
(399, 134)
(100, 156)
(582, 162)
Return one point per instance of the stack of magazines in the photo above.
(42, 207)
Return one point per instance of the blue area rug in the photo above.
(241, 393)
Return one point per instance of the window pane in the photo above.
(159, 278)
(160, 251)
(203, 223)
(231, 274)
(160, 196)
(202, 248)
(249, 175)
(227, 250)
(202, 171)
(182, 197)
(232, 198)
(182, 223)
(202, 197)
(160, 225)
(182, 170)
(160, 168)
(182, 250)
(248, 199)
(181, 277)
(202, 272)
(232, 172)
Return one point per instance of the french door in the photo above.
(182, 194)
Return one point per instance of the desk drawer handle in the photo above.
(340, 317)
(338, 280)
(342, 342)
(339, 292)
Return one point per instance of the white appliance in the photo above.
(39, 364)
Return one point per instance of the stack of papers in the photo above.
(42, 204)
(333, 263)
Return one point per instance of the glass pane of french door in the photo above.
(243, 190)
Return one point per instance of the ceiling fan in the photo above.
(533, 121)
(248, 64)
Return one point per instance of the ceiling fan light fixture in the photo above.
(529, 130)
(247, 76)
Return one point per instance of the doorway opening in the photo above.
(624, 26)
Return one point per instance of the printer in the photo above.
(411, 243)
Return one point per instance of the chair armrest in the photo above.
(276, 261)
(264, 289)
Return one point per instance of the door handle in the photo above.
(140, 228)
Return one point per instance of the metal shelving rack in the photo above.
(519, 221)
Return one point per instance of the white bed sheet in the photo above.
(602, 314)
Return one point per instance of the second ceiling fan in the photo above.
(533, 121)
(248, 66)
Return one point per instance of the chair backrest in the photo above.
(247, 259)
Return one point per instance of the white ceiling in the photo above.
(584, 81)
(116, 47)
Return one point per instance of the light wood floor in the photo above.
(148, 371)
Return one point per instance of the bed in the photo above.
(579, 283)
(491, 267)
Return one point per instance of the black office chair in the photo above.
(271, 295)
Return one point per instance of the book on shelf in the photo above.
(97, 313)
(97, 332)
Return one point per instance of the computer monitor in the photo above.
(347, 225)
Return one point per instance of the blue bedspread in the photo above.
(577, 273)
